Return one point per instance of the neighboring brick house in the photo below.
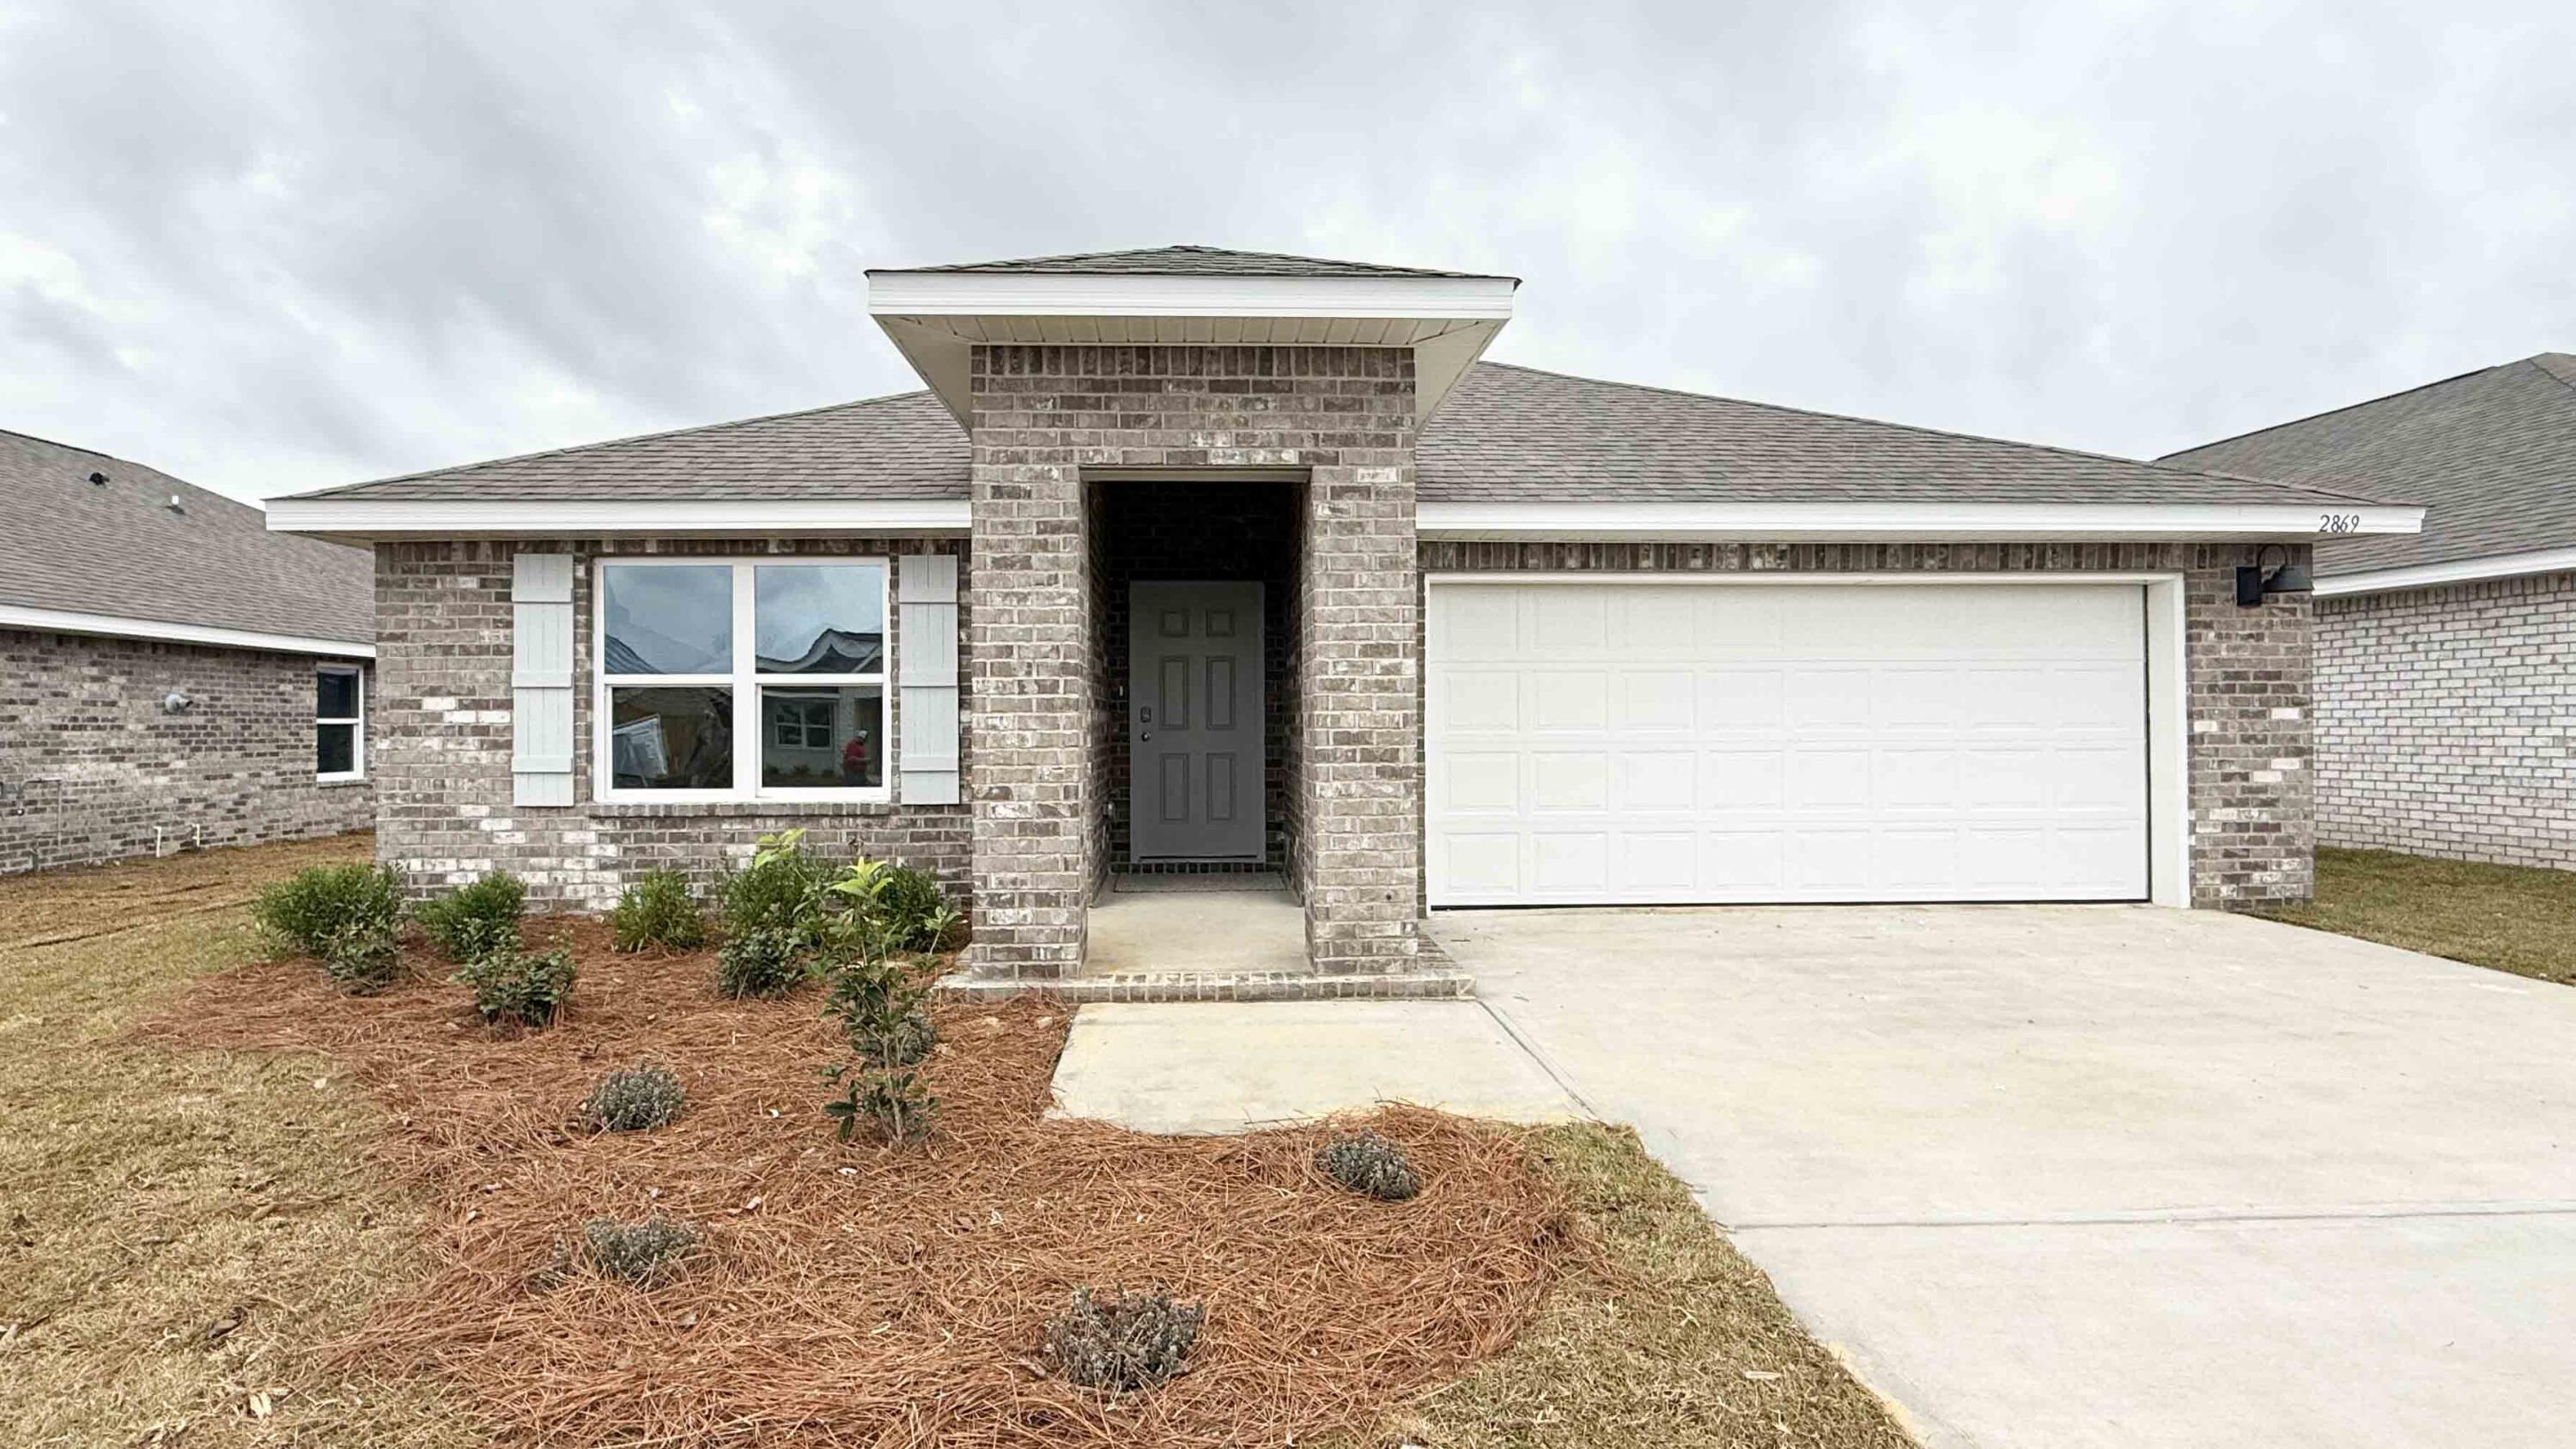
(172, 675)
(1202, 560)
(2445, 661)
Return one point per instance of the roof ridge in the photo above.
(1944, 433)
(1200, 249)
(615, 442)
(2550, 362)
(2347, 407)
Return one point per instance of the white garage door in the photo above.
(1638, 743)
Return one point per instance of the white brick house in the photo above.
(1203, 560)
(2446, 660)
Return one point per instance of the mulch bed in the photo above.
(866, 1295)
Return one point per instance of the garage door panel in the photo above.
(1566, 700)
(1741, 699)
(1618, 742)
(1557, 782)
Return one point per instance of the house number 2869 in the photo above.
(2338, 523)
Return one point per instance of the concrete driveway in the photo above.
(2058, 1176)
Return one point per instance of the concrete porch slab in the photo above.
(1211, 932)
(1186, 1069)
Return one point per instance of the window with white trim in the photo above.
(339, 722)
(740, 679)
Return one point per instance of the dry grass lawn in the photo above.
(2504, 917)
(179, 1232)
(191, 1242)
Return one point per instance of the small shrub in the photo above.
(646, 1253)
(308, 911)
(636, 1099)
(881, 1011)
(914, 912)
(765, 962)
(526, 987)
(781, 889)
(1367, 1163)
(477, 919)
(890, 1101)
(1122, 1341)
(657, 911)
(361, 955)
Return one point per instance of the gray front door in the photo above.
(1194, 735)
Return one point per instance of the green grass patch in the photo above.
(2504, 917)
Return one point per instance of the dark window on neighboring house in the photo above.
(339, 722)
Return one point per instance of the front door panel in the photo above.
(1194, 728)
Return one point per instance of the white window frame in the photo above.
(744, 680)
(357, 722)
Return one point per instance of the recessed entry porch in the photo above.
(1194, 708)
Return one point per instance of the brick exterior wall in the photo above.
(1041, 415)
(442, 735)
(2249, 673)
(91, 768)
(2444, 719)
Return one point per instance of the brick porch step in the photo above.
(1437, 985)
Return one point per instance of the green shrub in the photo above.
(915, 913)
(657, 911)
(643, 1253)
(761, 962)
(892, 1102)
(361, 954)
(1122, 1341)
(882, 1010)
(512, 984)
(781, 889)
(310, 910)
(476, 919)
(1367, 1163)
(637, 1099)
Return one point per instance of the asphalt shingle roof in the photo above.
(117, 548)
(904, 446)
(1512, 434)
(1187, 261)
(2492, 453)
(1506, 434)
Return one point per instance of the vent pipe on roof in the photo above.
(98, 478)
(175, 505)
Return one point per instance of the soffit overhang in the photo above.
(938, 318)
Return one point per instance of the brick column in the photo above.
(1028, 660)
(1360, 712)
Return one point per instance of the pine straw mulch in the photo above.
(865, 1295)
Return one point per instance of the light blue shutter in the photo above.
(541, 679)
(926, 670)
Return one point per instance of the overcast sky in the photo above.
(273, 247)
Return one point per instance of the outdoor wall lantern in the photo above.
(2253, 585)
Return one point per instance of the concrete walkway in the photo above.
(1222, 1067)
(2069, 1176)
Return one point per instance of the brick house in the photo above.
(1192, 560)
(172, 675)
(2445, 660)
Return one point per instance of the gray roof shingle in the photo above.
(1507, 434)
(903, 446)
(1512, 434)
(117, 548)
(1185, 261)
(2492, 452)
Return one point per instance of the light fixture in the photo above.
(176, 702)
(2253, 585)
